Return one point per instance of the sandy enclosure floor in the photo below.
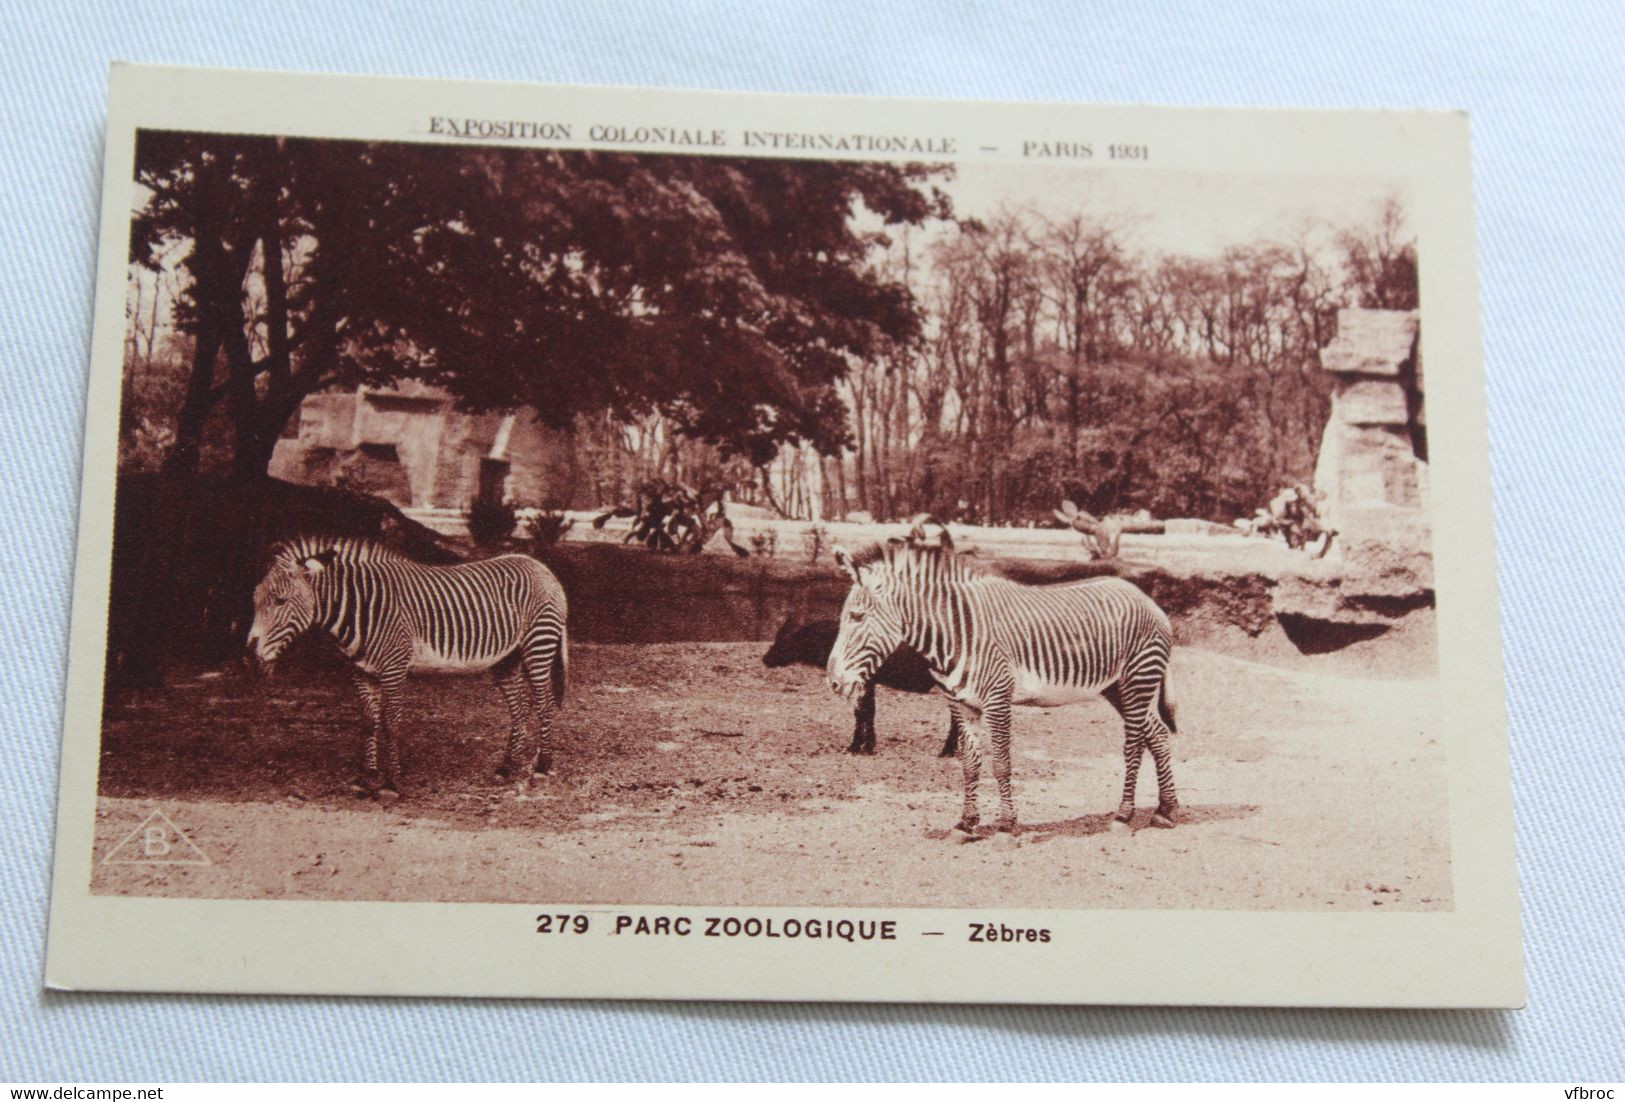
(690, 774)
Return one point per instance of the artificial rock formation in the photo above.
(1372, 468)
(410, 445)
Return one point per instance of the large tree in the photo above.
(1060, 360)
(730, 294)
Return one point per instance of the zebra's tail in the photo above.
(561, 668)
(1165, 700)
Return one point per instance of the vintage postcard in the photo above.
(549, 541)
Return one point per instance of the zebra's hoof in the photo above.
(1120, 825)
(1162, 820)
(388, 795)
(1006, 826)
(966, 826)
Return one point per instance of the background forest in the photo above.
(815, 338)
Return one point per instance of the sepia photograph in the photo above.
(787, 543)
(649, 535)
(548, 525)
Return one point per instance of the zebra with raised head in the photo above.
(391, 615)
(992, 643)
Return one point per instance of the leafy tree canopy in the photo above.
(729, 293)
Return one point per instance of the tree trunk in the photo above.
(840, 482)
(200, 400)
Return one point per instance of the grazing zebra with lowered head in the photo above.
(992, 643)
(810, 644)
(390, 615)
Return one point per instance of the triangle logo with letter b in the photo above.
(157, 841)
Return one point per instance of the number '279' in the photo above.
(562, 924)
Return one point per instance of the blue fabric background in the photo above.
(1548, 103)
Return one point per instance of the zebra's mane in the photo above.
(349, 549)
(962, 562)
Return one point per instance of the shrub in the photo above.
(545, 527)
(813, 540)
(1294, 515)
(676, 518)
(490, 522)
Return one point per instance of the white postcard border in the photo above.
(1468, 956)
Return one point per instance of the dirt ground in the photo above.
(689, 773)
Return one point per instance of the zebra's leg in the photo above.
(510, 681)
(1167, 799)
(541, 763)
(970, 760)
(1133, 752)
(372, 701)
(950, 745)
(537, 663)
(996, 720)
(863, 730)
(1135, 697)
(391, 688)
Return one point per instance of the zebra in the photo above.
(810, 644)
(391, 615)
(992, 643)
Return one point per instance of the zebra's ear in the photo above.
(315, 564)
(844, 561)
(917, 536)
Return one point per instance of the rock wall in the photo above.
(411, 446)
(1372, 468)
(632, 595)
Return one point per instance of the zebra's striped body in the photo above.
(992, 643)
(391, 616)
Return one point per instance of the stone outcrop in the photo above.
(1372, 468)
(410, 445)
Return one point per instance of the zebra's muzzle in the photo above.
(258, 666)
